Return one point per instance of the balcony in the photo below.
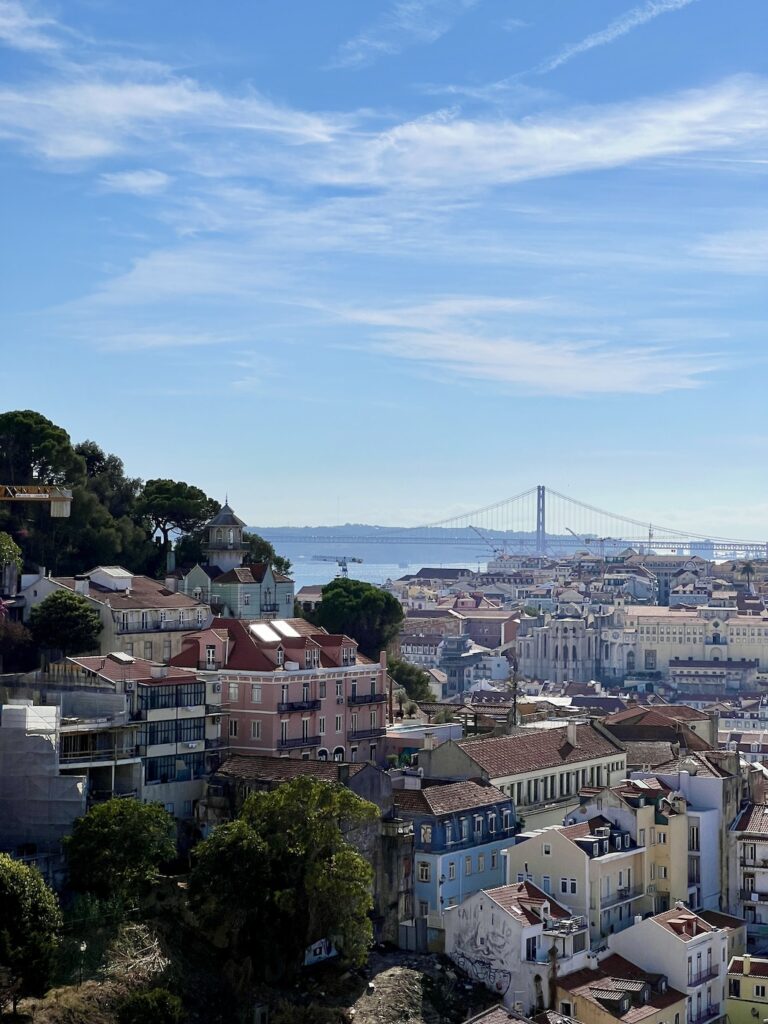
(624, 895)
(750, 896)
(269, 609)
(214, 743)
(302, 741)
(708, 973)
(368, 698)
(711, 1012)
(298, 705)
(365, 734)
(92, 756)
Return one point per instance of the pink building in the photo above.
(290, 689)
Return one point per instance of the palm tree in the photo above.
(748, 570)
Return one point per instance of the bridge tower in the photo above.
(541, 519)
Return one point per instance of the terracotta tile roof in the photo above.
(758, 967)
(552, 1017)
(753, 819)
(693, 760)
(531, 749)
(144, 593)
(523, 899)
(261, 768)
(650, 752)
(718, 920)
(448, 799)
(244, 574)
(499, 1015)
(613, 975)
(683, 923)
(124, 667)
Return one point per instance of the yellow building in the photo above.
(747, 999)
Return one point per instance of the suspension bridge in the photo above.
(540, 521)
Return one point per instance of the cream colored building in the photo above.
(596, 869)
(542, 770)
(614, 989)
(657, 819)
(747, 999)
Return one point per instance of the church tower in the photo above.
(224, 540)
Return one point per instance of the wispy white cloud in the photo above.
(484, 339)
(21, 30)
(138, 183)
(741, 252)
(407, 23)
(627, 22)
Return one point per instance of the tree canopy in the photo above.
(260, 550)
(65, 622)
(366, 613)
(413, 679)
(30, 920)
(10, 552)
(283, 876)
(117, 848)
(169, 505)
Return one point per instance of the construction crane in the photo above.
(343, 561)
(60, 498)
(586, 541)
(498, 552)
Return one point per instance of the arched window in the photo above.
(573, 654)
(219, 536)
(565, 654)
(338, 754)
(630, 661)
(557, 651)
(322, 754)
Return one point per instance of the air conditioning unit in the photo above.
(129, 687)
(217, 687)
(339, 700)
(191, 745)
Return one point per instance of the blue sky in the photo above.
(391, 260)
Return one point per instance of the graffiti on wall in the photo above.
(483, 945)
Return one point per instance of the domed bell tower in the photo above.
(224, 540)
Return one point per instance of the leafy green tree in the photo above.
(172, 505)
(17, 648)
(364, 612)
(117, 848)
(33, 450)
(283, 876)
(411, 678)
(157, 1005)
(747, 571)
(10, 552)
(30, 920)
(107, 480)
(65, 622)
(260, 550)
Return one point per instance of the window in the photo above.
(734, 987)
(321, 694)
(653, 837)
(464, 828)
(448, 833)
(565, 1009)
(283, 731)
(481, 862)
(573, 887)
(338, 723)
(426, 833)
(494, 859)
(547, 849)
(339, 690)
(246, 599)
(451, 870)
(662, 837)
(564, 886)
(256, 729)
(321, 725)
(546, 883)
(255, 693)
(423, 908)
(467, 865)
(425, 871)
(507, 819)
(531, 949)
(492, 822)
(662, 871)
(148, 650)
(186, 808)
(759, 991)
(234, 691)
(478, 825)
(233, 727)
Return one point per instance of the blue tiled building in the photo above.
(459, 830)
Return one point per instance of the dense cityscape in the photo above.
(383, 516)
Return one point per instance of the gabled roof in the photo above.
(758, 966)
(448, 799)
(615, 975)
(695, 762)
(532, 749)
(244, 574)
(683, 923)
(525, 900)
(753, 819)
(718, 920)
(143, 593)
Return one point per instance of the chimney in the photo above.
(158, 671)
(747, 963)
(570, 732)
(172, 584)
(429, 740)
(82, 586)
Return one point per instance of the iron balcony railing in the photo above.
(367, 698)
(707, 1013)
(621, 896)
(705, 974)
(270, 607)
(750, 896)
(302, 741)
(365, 734)
(112, 754)
(298, 705)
